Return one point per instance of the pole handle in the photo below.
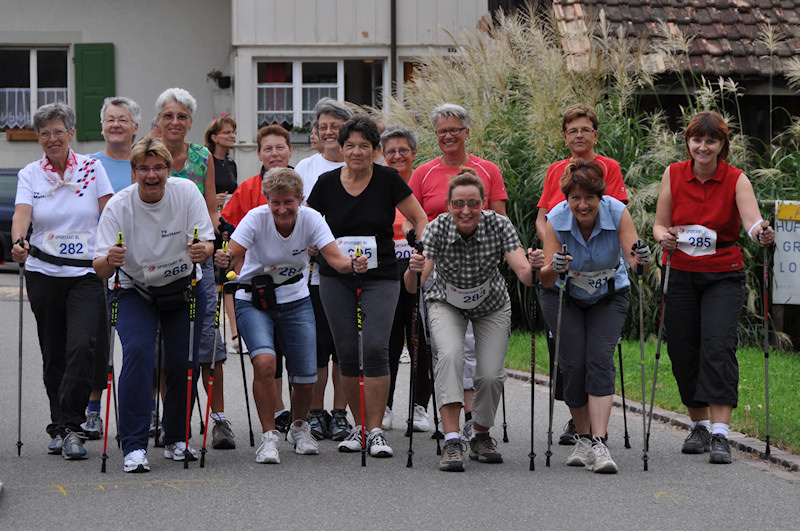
(564, 250)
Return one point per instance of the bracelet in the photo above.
(750, 232)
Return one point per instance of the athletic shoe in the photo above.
(580, 455)
(222, 436)
(178, 451)
(54, 448)
(466, 431)
(268, 450)
(483, 448)
(283, 422)
(72, 447)
(452, 459)
(386, 424)
(720, 450)
(93, 427)
(353, 441)
(340, 427)
(421, 422)
(568, 437)
(136, 461)
(698, 441)
(376, 442)
(405, 357)
(152, 431)
(317, 422)
(300, 437)
(599, 459)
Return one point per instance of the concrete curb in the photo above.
(742, 442)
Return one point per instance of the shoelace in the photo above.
(137, 455)
(378, 439)
(450, 450)
(601, 450)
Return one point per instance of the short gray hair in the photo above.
(53, 112)
(399, 131)
(334, 108)
(178, 95)
(448, 110)
(126, 103)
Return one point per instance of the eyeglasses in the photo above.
(277, 149)
(227, 132)
(584, 131)
(121, 121)
(145, 170)
(58, 133)
(393, 152)
(325, 128)
(454, 131)
(459, 203)
(181, 117)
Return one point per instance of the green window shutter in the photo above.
(94, 81)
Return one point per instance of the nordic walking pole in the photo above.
(437, 435)
(664, 290)
(359, 324)
(200, 414)
(505, 424)
(639, 274)
(622, 386)
(21, 243)
(764, 225)
(110, 379)
(231, 276)
(189, 379)
(157, 439)
(561, 288)
(534, 297)
(211, 369)
(415, 339)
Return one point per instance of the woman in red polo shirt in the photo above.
(705, 199)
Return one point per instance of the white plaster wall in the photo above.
(157, 45)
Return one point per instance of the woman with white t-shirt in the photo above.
(60, 196)
(157, 218)
(273, 303)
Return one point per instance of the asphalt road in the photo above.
(332, 490)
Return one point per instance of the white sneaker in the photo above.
(405, 357)
(466, 431)
(386, 424)
(599, 459)
(580, 454)
(136, 461)
(268, 450)
(421, 422)
(300, 436)
(178, 451)
(353, 441)
(378, 447)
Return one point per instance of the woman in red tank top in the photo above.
(706, 199)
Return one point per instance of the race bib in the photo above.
(466, 298)
(162, 273)
(367, 244)
(402, 250)
(697, 240)
(66, 244)
(590, 281)
(283, 272)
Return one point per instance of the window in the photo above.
(30, 78)
(281, 84)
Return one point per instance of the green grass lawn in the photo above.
(748, 418)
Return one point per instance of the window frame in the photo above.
(33, 78)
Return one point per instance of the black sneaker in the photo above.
(316, 421)
(483, 449)
(568, 437)
(452, 456)
(283, 421)
(339, 426)
(698, 441)
(720, 450)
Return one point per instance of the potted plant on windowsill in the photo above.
(24, 134)
(222, 81)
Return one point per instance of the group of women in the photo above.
(160, 269)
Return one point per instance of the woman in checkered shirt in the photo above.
(466, 245)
